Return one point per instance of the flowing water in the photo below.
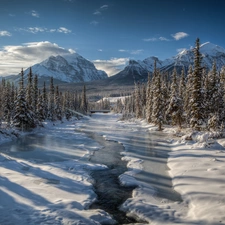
(111, 194)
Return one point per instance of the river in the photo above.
(123, 138)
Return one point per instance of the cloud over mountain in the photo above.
(14, 57)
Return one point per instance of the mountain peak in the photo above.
(211, 49)
(68, 68)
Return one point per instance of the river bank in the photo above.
(59, 189)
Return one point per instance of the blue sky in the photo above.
(106, 32)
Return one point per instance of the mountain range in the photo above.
(73, 68)
(137, 70)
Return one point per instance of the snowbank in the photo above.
(57, 192)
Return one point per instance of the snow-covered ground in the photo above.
(60, 191)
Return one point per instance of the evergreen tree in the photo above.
(23, 118)
(157, 112)
(41, 108)
(149, 95)
(138, 110)
(197, 111)
(45, 101)
(58, 110)
(6, 107)
(187, 96)
(175, 108)
(51, 107)
(84, 104)
(35, 93)
(182, 85)
(29, 90)
(66, 107)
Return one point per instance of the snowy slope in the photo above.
(68, 68)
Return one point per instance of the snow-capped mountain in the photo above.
(68, 68)
(138, 70)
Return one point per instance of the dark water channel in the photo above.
(111, 194)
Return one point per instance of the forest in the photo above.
(27, 106)
(194, 100)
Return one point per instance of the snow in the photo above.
(68, 68)
(52, 192)
(211, 49)
(60, 192)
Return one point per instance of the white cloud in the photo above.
(150, 39)
(97, 12)
(112, 66)
(155, 39)
(15, 57)
(132, 52)
(179, 35)
(95, 23)
(63, 30)
(122, 50)
(100, 50)
(103, 7)
(163, 39)
(5, 33)
(34, 13)
(35, 30)
(136, 52)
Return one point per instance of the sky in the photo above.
(106, 32)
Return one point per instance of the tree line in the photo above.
(27, 106)
(194, 100)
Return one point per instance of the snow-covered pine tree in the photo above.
(175, 108)
(41, 114)
(157, 111)
(45, 101)
(66, 105)
(138, 110)
(143, 100)
(197, 111)
(35, 93)
(182, 85)
(51, 108)
(30, 90)
(84, 104)
(58, 109)
(23, 118)
(7, 103)
(216, 100)
(149, 95)
(12, 100)
(165, 98)
(187, 95)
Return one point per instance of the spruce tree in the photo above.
(175, 108)
(23, 118)
(149, 95)
(197, 111)
(58, 110)
(157, 112)
(138, 110)
(35, 93)
(84, 104)
(51, 113)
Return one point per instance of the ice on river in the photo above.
(57, 188)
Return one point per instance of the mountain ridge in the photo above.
(137, 70)
(70, 68)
